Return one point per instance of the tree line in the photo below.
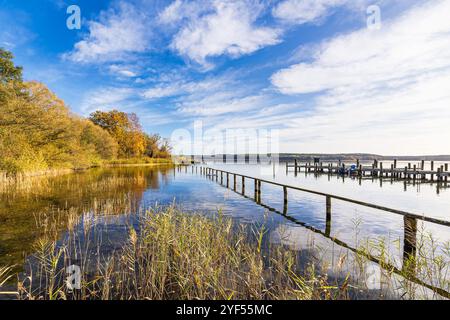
(38, 131)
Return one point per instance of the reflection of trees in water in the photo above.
(61, 200)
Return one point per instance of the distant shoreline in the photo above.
(283, 157)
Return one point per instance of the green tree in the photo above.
(8, 71)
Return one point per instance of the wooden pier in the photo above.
(409, 219)
(414, 172)
(257, 182)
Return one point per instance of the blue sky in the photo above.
(313, 70)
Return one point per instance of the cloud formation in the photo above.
(305, 11)
(119, 32)
(378, 89)
(214, 28)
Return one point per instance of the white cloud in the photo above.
(217, 28)
(380, 91)
(162, 92)
(119, 31)
(106, 99)
(405, 48)
(304, 11)
(180, 87)
(221, 103)
(123, 71)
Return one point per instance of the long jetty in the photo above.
(376, 169)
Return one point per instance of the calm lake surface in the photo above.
(112, 198)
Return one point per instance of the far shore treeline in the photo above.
(38, 131)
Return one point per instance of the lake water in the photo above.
(115, 196)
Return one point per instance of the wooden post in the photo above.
(422, 165)
(381, 169)
(328, 216)
(259, 190)
(414, 174)
(221, 177)
(243, 185)
(256, 190)
(409, 243)
(395, 163)
(285, 204)
(234, 182)
(432, 169)
(228, 180)
(446, 167)
(295, 167)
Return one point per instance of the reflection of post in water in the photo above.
(328, 219)
(410, 243)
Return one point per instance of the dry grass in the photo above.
(175, 256)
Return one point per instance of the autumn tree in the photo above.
(38, 131)
(125, 128)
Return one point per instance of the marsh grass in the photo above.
(173, 255)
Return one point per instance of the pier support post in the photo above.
(228, 180)
(409, 243)
(234, 182)
(285, 203)
(328, 216)
(259, 191)
(243, 185)
(432, 169)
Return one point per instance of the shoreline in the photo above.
(57, 172)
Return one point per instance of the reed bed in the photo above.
(173, 255)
